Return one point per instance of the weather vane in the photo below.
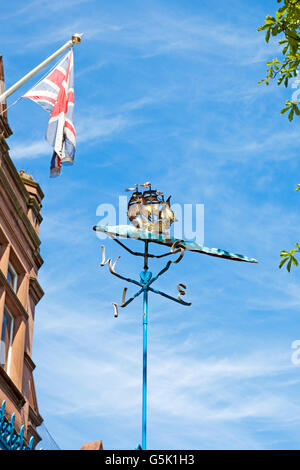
(151, 218)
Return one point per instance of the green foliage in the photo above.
(286, 23)
(288, 256)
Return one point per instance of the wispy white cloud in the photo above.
(161, 32)
(91, 129)
(30, 150)
(96, 125)
(89, 69)
(38, 8)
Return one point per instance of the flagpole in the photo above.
(76, 39)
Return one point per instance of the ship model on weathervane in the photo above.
(148, 210)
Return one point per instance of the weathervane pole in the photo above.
(76, 39)
(145, 323)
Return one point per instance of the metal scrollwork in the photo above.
(116, 313)
(124, 296)
(103, 262)
(181, 289)
(146, 282)
(175, 248)
(10, 439)
(112, 266)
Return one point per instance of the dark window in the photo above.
(12, 277)
(6, 339)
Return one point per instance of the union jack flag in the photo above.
(55, 93)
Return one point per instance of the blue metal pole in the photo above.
(145, 277)
(145, 321)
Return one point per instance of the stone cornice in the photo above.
(25, 195)
(29, 362)
(3, 144)
(4, 127)
(19, 210)
(34, 205)
(36, 257)
(31, 431)
(35, 417)
(35, 289)
(33, 184)
(13, 172)
(11, 389)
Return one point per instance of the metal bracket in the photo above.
(146, 281)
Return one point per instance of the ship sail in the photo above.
(166, 211)
(149, 211)
(133, 211)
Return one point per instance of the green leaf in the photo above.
(295, 262)
(262, 28)
(297, 111)
(288, 267)
(280, 80)
(285, 49)
(291, 114)
(282, 262)
(284, 253)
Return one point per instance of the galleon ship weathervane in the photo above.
(151, 217)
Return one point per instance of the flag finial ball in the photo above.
(76, 38)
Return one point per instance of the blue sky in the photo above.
(165, 91)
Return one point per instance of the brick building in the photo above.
(20, 291)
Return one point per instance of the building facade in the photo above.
(20, 291)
